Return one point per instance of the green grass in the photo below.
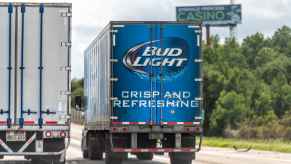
(266, 145)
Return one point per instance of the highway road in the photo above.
(206, 156)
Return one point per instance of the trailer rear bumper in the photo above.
(155, 142)
(36, 143)
(34, 128)
(153, 150)
(197, 129)
(32, 153)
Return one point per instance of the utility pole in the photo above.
(232, 28)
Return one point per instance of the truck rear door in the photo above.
(34, 64)
(43, 64)
(180, 80)
(131, 84)
(7, 64)
(155, 79)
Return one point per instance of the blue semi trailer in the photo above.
(143, 92)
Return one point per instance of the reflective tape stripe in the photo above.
(29, 122)
(129, 123)
(154, 150)
(3, 122)
(180, 123)
(51, 122)
(164, 123)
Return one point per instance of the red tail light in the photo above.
(63, 134)
(48, 134)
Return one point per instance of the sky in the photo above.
(90, 16)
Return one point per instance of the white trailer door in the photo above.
(43, 64)
(7, 65)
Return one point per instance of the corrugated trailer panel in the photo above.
(97, 81)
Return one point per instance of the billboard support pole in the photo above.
(232, 27)
(208, 39)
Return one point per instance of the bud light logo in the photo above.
(158, 58)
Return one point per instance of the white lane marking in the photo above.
(75, 144)
(162, 158)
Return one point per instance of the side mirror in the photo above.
(79, 105)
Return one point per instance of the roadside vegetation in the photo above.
(243, 144)
(247, 87)
(77, 89)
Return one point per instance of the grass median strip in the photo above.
(266, 145)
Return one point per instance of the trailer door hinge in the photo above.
(198, 40)
(198, 60)
(114, 118)
(198, 98)
(65, 93)
(114, 60)
(193, 26)
(65, 14)
(114, 40)
(66, 68)
(114, 79)
(66, 44)
(113, 98)
(118, 26)
(198, 79)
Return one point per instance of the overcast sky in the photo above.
(90, 16)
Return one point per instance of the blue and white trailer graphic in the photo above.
(143, 87)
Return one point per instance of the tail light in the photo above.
(63, 134)
(48, 134)
(54, 134)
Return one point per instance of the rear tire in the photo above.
(94, 154)
(145, 156)
(181, 158)
(85, 154)
(36, 161)
(114, 158)
(112, 161)
(84, 147)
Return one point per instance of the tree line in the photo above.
(247, 86)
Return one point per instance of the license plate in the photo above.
(15, 136)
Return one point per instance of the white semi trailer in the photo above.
(35, 48)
